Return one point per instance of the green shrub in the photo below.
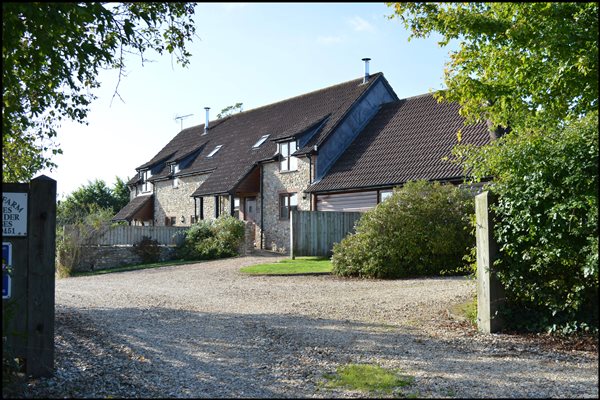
(422, 229)
(212, 239)
(147, 249)
(547, 225)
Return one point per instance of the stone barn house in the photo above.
(341, 148)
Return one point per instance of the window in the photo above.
(212, 153)
(287, 200)
(260, 141)
(170, 221)
(288, 162)
(236, 207)
(384, 194)
(146, 186)
(175, 182)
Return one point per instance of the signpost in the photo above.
(28, 252)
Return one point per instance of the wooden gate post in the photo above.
(42, 247)
(29, 235)
(490, 293)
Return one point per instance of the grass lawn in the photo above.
(370, 378)
(299, 266)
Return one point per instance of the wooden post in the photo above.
(490, 293)
(28, 226)
(40, 308)
(292, 250)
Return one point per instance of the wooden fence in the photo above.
(313, 233)
(128, 235)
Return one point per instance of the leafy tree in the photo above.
(547, 227)
(51, 55)
(534, 68)
(518, 64)
(120, 194)
(92, 202)
(230, 110)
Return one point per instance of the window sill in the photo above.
(287, 171)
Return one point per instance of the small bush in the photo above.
(147, 249)
(212, 239)
(422, 229)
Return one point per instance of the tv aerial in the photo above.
(181, 118)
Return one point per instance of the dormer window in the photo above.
(260, 141)
(146, 186)
(288, 162)
(212, 153)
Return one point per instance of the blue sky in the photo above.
(249, 53)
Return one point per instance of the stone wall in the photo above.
(176, 202)
(93, 258)
(106, 257)
(249, 243)
(276, 230)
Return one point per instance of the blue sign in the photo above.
(6, 263)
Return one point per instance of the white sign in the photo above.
(14, 214)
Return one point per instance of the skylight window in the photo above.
(260, 141)
(212, 153)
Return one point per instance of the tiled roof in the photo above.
(406, 140)
(128, 212)
(239, 132)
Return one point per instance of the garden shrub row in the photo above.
(212, 239)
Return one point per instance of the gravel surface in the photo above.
(206, 330)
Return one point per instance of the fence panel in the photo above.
(313, 233)
(129, 235)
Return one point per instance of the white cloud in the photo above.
(360, 25)
(327, 40)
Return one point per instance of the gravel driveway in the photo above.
(206, 330)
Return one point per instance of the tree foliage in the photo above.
(547, 221)
(532, 67)
(52, 53)
(230, 110)
(92, 203)
(212, 239)
(518, 64)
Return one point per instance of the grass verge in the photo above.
(466, 310)
(368, 378)
(299, 266)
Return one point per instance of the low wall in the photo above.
(107, 257)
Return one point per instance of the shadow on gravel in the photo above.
(161, 352)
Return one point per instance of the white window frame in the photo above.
(286, 201)
(212, 153)
(260, 141)
(385, 194)
(146, 186)
(288, 162)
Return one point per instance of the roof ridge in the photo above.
(420, 95)
(245, 112)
